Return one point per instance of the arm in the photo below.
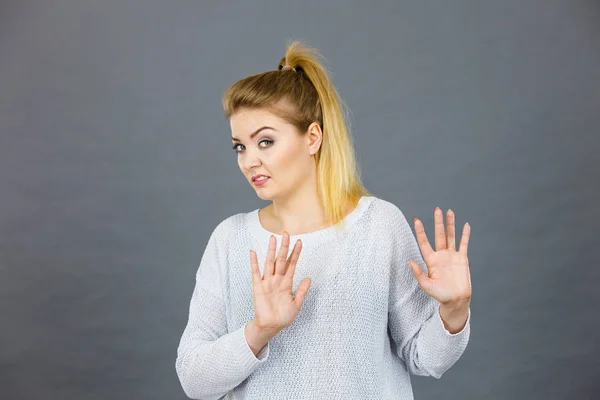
(415, 319)
(210, 361)
(257, 338)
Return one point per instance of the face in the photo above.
(267, 145)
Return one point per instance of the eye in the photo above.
(235, 146)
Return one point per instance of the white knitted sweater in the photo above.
(364, 325)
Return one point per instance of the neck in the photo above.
(302, 212)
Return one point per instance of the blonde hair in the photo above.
(302, 82)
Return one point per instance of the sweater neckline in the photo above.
(309, 237)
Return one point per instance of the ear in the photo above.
(314, 136)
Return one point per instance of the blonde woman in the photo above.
(323, 293)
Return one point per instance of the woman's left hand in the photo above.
(447, 279)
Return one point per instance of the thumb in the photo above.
(301, 292)
(418, 273)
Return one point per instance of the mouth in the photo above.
(261, 181)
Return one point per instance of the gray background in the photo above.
(115, 167)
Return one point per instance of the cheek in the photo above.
(287, 161)
(295, 166)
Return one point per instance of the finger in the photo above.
(291, 268)
(450, 234)
(282, 256)
(464, 240)
(254, 266)
(422, 239)
(440, 236)
(270, 261)
(419, 274)
(301, 292)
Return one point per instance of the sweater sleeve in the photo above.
(211, 361)
(414, 322)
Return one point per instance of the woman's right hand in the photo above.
(274, 306)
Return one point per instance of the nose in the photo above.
(250, 160)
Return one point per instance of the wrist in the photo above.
(262, 332)
(256, 337)
(454, 315)
(456, 305)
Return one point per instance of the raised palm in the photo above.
(275, 306)
(448, 277)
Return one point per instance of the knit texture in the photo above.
(365, 323)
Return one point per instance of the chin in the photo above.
(263, 196)
(268, 194)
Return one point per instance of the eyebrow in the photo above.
(256, 132)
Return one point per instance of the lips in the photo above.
(261, 181)
(255, 177)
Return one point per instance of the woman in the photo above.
(352, 308)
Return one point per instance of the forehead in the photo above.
(246, 121)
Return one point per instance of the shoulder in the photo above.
(389, 217)
(387, 211)
(229, 225)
